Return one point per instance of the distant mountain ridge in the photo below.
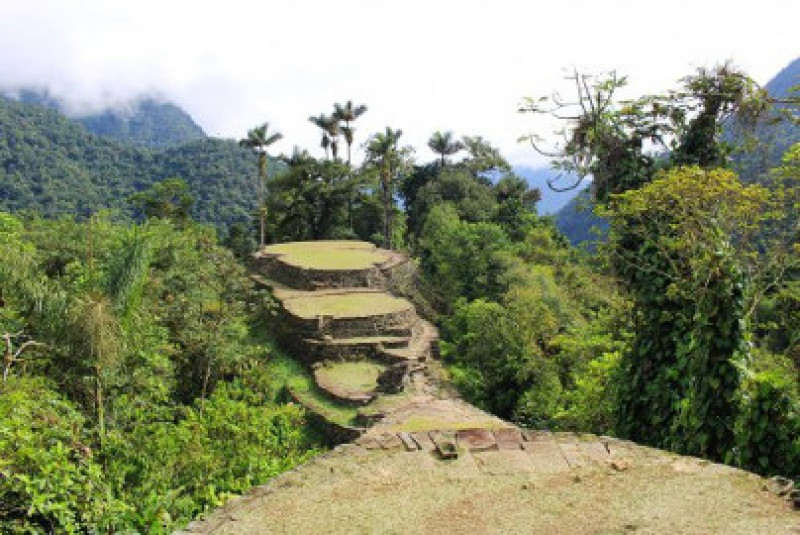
(774, 135)
(537, 177)
(576, 220)
(144, 121)
(55, 166)
(785, 80)
(151, 124)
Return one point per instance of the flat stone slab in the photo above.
(546, 456)
(572, 452)
(408, 442)
(445, 442)
(595, 451)
(532, 435)
(390, 441)
(423, 441)
(506, 462)
(508, 439)
(477, 439)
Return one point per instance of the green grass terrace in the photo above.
(329, 255)
(344, 305)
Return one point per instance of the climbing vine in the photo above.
(672, 246)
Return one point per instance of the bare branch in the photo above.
(25, 346)
(551, 181)
(542, 151)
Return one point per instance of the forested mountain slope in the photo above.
(775, 134)
(148, 123)
(752, 159)
(578, 222)
(145, 121)
(53, 165)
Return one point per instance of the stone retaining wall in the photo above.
(301, 278)
(390, 324)
(335, 433)
(319, 350)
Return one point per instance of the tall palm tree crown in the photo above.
(331, 129)
(347, 114)
(442, 143)
(382, 152)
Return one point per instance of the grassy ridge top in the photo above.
(329, 255)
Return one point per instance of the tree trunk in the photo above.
(262, 172)
(387, 212)
(101, 409)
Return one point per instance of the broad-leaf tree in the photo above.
(672, 245)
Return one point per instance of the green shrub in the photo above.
(220, 447)
(50, 481)
(768, 430)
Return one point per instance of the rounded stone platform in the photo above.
(353, 383)
(328, 264)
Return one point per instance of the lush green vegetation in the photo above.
(696, 252)
(147, 396)
(52, 165)
(140, 385)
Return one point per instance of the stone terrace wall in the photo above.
(301, 278)
(395, 323)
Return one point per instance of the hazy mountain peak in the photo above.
(148, 120)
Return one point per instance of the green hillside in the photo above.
(148, 123)
(578, 222)
(145, 121)
(775, 134)
(53, 165)
(754, 157)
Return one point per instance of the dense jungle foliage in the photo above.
(138, 386)
(54, 166)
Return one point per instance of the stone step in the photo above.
(394, 355)
(372, 341)
(351, 349)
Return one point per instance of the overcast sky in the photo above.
(420, 65)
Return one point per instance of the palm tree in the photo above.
(347, 114)
(331, 129)
(96, 322)
(259, 139)
(382, 152)
(444, 145)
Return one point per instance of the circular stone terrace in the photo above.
(329, 255)
(345, 305)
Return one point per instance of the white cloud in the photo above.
(419, 65)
